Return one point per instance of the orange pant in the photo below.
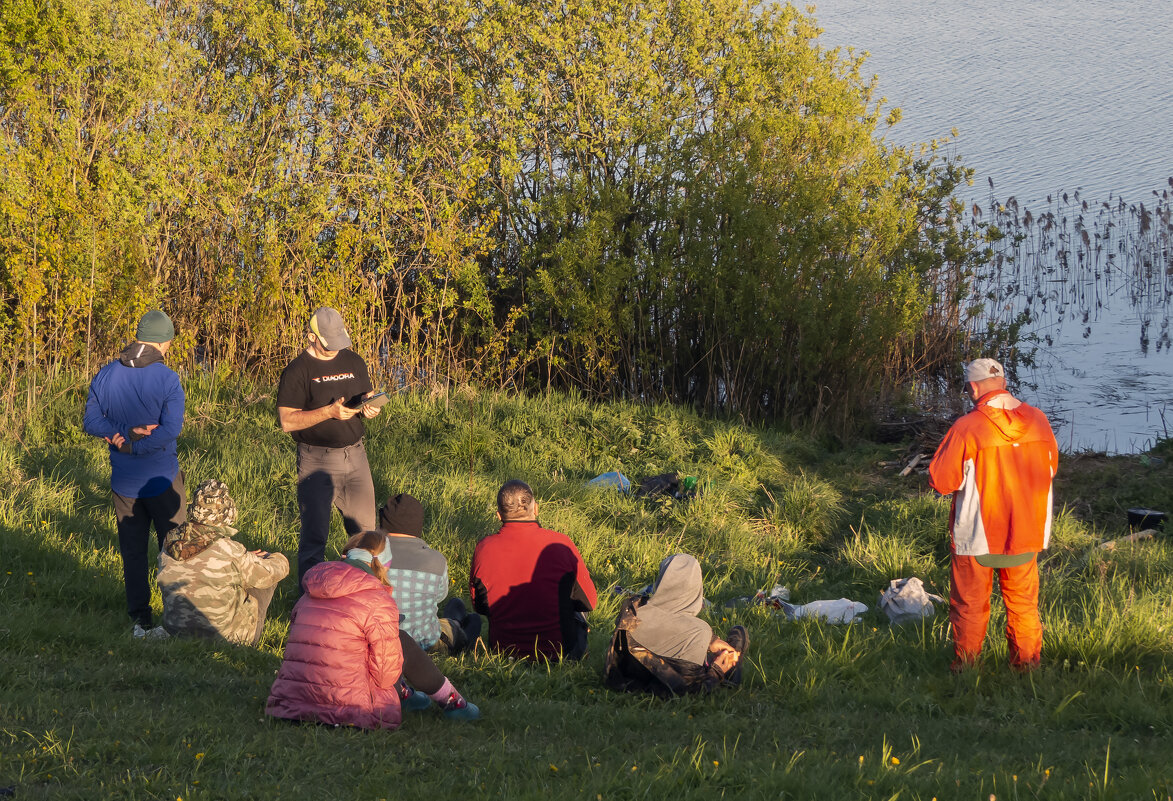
(969, 610)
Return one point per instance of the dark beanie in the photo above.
(402, 514)
(155, 326)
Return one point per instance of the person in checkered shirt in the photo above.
(419, 575)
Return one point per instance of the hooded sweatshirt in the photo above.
(342, 657)
(667, 624)
(998, 461)
(138, 389)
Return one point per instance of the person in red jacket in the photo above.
(531, 583)
(998, 462)
(345, 654)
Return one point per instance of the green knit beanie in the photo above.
(155, 326)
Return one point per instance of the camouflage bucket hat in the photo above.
(213, 506)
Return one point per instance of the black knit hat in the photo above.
(402, 514)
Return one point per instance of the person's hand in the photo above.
(145, 431)
(340, 411)
(726, 658)
(117, 440)
(260, 553)
(369, 411)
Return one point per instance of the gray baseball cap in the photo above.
(327, 325)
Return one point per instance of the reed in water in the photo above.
(1076, 259)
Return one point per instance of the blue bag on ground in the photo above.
(612, 479)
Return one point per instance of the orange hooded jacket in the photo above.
(998, 462)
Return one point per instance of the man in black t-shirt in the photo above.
(319, 400)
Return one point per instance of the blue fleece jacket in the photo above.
(122, 398)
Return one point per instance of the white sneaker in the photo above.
(157, 633)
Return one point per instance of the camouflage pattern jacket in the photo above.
(206, 594)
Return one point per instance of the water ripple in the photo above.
(1047, 97)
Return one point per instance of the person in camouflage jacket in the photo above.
(212, 585)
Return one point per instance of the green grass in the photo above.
(864, 711)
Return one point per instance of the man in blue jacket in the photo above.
(136, 405)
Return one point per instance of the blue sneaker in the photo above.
(457, 708)
(414, 701)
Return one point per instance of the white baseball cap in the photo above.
(981, 369)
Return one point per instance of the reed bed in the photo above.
(1076, 259)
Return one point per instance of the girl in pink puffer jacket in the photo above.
(345, 654)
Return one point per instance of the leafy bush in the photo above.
(674, 200)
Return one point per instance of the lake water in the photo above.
(1047, 97)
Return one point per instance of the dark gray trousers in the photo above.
(327, 478)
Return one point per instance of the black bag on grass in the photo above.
(672, 485)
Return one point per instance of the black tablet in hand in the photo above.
(375, 401)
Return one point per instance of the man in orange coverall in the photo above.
(998, 462)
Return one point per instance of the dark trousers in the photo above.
(418, 668)
(459, 629)
(574, 638)
(135, 516)
(327, 478)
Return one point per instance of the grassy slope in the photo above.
(826, 711)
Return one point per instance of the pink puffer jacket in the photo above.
(342, 657)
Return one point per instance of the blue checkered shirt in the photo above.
(418, 589)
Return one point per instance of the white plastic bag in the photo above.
(906, 600)
(841, 611)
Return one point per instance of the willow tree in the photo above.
(237, 162)
(78, 157)
(671, 199)
(708, 210)
(344, 164)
